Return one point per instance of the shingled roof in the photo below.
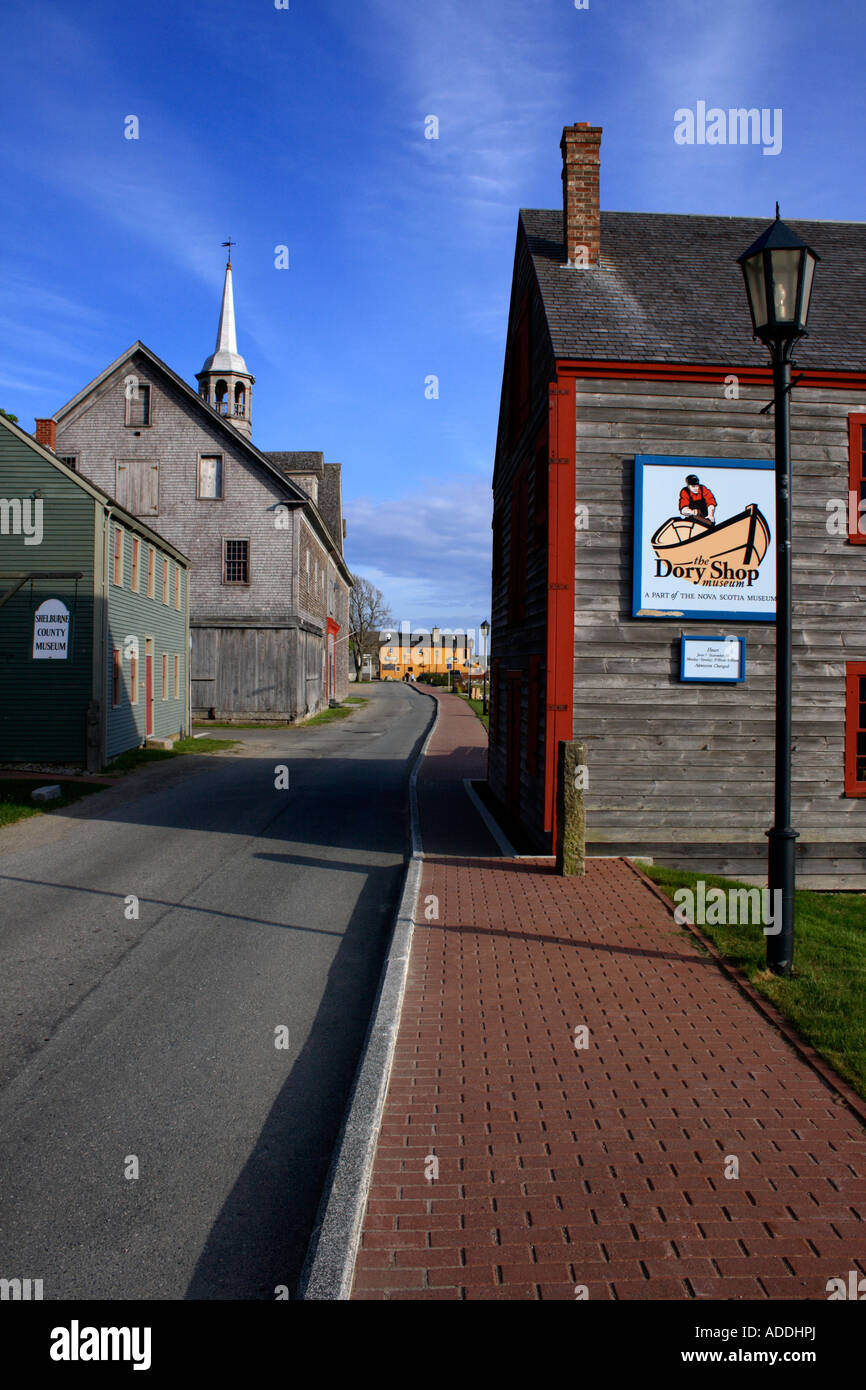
(668, 289)
(291, 461)
(330, 502)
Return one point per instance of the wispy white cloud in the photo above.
(428, 551)
(459, 62)
(728, 49)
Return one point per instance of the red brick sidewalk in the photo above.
(605, 1165)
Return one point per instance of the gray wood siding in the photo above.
(274, 673)
(685, 772)
(136, 615)
(43, 704)
(177, 437)
(238, 629)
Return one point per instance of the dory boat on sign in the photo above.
(741, 540)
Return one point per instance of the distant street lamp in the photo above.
(485, 630)
(778, 270)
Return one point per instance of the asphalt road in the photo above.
(148, 1046)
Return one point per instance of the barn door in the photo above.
(512, 734)
(136, 485)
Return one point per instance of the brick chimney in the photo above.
(581, 217)
(46, 433)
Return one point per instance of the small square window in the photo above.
(71, 460)
(236, 562)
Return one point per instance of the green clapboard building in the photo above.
(94, 617)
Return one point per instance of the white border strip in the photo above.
(498, 834)
(329, 1267)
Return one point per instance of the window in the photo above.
(857, 479)
(855, 728)
(133, 680)
(151, 569)
(138, 404)
(116, 677)
(176, 676)
(165, 564)
(136, 485)
(177, 587)
(71, 460)
(136, 555)
(210, 477)
(236, 562)
(118, 555)
(165, 675)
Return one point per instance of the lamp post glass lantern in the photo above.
(485, 630)
(778, 270)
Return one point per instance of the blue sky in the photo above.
(305, 127)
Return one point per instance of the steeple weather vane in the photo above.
(230, 244)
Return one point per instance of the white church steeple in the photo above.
(224, 381)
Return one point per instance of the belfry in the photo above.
(224, 382)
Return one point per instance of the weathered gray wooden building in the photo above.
(629, 368)
(264, 532)
(94, 621)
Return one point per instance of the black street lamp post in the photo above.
(778, 270)
(485, 629)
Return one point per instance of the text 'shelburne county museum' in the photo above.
(634, 546)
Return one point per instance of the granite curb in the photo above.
(330, 1262)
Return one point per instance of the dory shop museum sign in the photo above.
(703, 538)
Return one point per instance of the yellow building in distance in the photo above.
(419, 654)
